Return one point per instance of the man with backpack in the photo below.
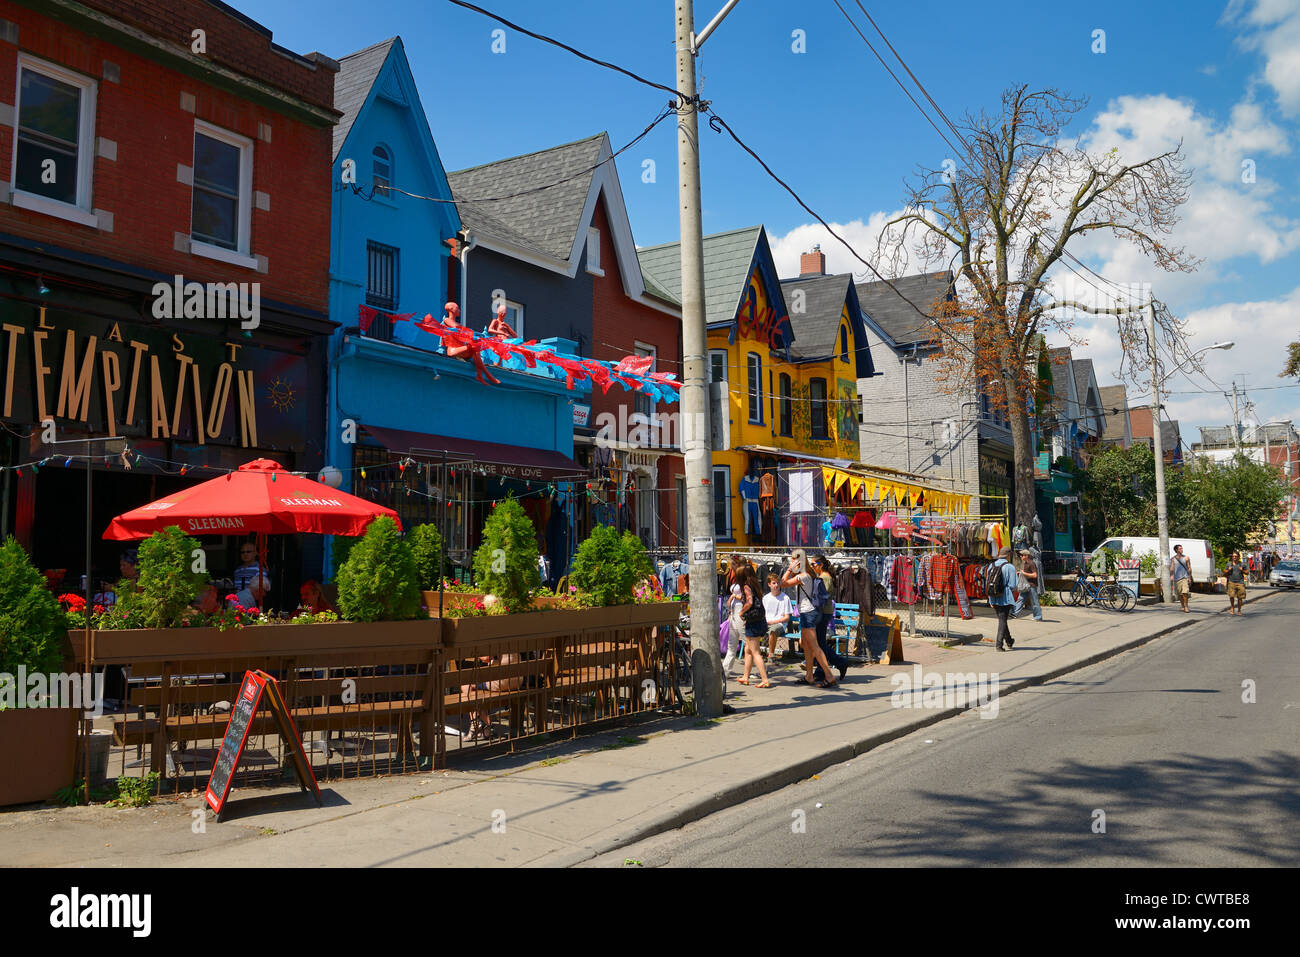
(998, 579)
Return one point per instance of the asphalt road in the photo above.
(1159, 739)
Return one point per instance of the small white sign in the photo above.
(581, 413)
(701, 551)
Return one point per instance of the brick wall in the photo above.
(141, 118)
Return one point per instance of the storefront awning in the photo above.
(504, 461)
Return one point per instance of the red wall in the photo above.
(618, 323)
(142, 114)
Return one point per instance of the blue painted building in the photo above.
(399, 407)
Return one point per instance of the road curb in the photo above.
(815, 764)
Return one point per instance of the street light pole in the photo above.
(706, 657)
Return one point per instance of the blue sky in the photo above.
(830, 120)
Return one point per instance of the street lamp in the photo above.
(1157, 442)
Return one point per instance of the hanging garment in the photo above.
(748, 489)
(905, 572)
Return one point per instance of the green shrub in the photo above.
(1047, 599)
(426, 546)
(167, 583)
(379, 581)
(608, 566)
(505, 565)
(32, 623)
(340, 549)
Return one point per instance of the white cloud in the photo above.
(862, 236)
(1273, 29)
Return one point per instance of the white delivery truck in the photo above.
(1197, 550)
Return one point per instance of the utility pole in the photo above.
(706, 657)
(1158, 443)
(1236, 421)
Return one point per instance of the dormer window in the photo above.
(381, 171)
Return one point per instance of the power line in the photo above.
(578, 53)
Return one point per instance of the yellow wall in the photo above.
(756, 336)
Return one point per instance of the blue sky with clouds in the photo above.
(1225, 79)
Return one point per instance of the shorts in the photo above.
(778, 630)
(755, 631)
(809, 619)
(1237, 590)
(1183, 587)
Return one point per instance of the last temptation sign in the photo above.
(119, 378)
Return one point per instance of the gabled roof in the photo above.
(816, 327)
(544, 221)
(1117, 423)
(727, 258)
(894, 317)
(357, 74)
(1083, 376)
(1064, 400)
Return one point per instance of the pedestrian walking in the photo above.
(755, 618)
(822, 568)
(1003, 601)
(1181, 569)
(1027, 583)
(1236, 575)
(799, 577)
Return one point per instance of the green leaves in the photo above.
(426, 546)
(608, 566)
(380, 580)
(505, 564)
(166, 585)
(31, 621)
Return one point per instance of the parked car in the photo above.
(1285, 575)
(1197, 550)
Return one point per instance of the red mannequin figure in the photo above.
(451, 319)
(499, 327)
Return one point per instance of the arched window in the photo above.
(844, 343)
(382, 170)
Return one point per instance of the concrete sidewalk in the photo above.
(566, 802)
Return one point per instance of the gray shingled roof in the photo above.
(357, 73)
(545, 221)
(816, 329)
(727, 258)
(895, 316)
(1082, 373)
(1114, 397)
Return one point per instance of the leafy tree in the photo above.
(1007, 212)
(609, 565)
(1292, 361)
(1231, 502)
(31, 622)
(426, 546)
(167, 582)
(506, 563)
(380, 581)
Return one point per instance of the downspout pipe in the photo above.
(468, 242)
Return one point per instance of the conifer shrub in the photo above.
(608, 566)
(426, 546)
(167, 584)
(505, 565)
(31, 622)
(379, 581)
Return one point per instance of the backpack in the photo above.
(756, 617)
(994, 582)
(819, 595)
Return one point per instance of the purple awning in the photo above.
(505, 461)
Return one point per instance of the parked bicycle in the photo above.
(674, 677)
(1108, 594)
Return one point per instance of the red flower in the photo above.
(73, 602)
(233, 597)
(252, 611)
(100, 609)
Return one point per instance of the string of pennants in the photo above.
(878, 490)
(632, 372)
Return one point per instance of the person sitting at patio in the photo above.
(209, 600)
(254, 593)
(249, 566)
(313, 598)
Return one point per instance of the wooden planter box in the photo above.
(178, 644)
(461, 600)
(38, 748)
(555, 623)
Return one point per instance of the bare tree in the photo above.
(1003, 217)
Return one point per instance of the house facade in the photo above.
(164, 261)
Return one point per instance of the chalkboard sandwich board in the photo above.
(256, 684)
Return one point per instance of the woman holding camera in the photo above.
(798, 577)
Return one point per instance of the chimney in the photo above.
(813, 263)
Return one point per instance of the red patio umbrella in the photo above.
(258, 497)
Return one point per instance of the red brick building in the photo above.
(164, 255)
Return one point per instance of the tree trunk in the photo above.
(1022, 450)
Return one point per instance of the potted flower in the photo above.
(38, 742)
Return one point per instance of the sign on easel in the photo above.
(256, 684)
(1128, 575)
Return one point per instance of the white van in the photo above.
(1197, 550)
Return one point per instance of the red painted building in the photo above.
(164, 256)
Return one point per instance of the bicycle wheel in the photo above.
(1111, 596)
(674, 672)
(1068, 596)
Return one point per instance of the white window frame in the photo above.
(517, 324)
(593, 251)
(643, 349)
(242, 255)
(722, 478)
(754, 397)
(722, 354)
(383, 192)
(81, 212)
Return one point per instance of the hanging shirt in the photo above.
(748, 488)
(767, 485)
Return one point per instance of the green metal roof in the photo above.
(727, 260)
